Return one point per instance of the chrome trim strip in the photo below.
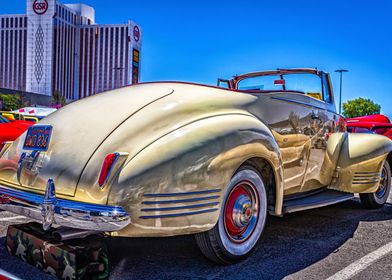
(181, 193)
(179, 214)
(369, 173)
(180, 207)
(67, 213)
(364, 183)
(181, 200)
(366, 179)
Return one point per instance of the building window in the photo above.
(2, 23)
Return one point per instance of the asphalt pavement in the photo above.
(343, 241)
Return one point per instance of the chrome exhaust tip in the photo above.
(64, 233)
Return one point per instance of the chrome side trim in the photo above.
(369, 173)
(181, 193)
(181, 200)
(364, 182)
(364, 178)
(180, 207)
(67, 213)
(179, 214)
(179, 204)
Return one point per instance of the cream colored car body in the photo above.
(180, 145)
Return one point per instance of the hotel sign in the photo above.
(136, 33)
(135, 66)
(40, 6)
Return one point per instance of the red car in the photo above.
(378, 124)
(10, 130)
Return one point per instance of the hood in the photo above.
(84, 124)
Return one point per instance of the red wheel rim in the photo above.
(241, 212)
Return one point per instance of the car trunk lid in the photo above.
(71, 146)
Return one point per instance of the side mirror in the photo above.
(223, 83)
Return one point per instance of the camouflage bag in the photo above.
(84, 258)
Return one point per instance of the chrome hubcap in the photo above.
(383, 184)
(241, 212)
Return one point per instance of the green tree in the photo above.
(58, 98)
(360, 107)
(10, 101)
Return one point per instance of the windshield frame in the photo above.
(238, 79)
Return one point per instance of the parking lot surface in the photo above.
(343, 241)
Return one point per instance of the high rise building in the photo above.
(58, 47)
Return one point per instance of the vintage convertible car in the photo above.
(177, 158)
(12, 129)
(378, 124)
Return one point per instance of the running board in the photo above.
(321, 199)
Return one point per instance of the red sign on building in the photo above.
(136, 33)
(40, 6)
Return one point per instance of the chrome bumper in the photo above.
(67, 213)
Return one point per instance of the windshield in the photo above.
(3, 120)
(304, 82)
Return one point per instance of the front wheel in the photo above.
(379, 198)
(241, 222)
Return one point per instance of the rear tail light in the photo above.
(4, 147)
(107, 167)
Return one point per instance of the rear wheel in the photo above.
(241, 222)
(379, 198)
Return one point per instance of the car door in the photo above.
(320, 166)
(291, 104)
(291, 123)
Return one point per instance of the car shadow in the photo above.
(288, 245)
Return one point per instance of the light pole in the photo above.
(341, 71)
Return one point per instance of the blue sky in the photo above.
(202, 40)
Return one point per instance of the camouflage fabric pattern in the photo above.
(74, 259)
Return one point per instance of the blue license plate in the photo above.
(38, 138)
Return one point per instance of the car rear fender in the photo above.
(175, 184)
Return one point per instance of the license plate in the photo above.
(38, 138)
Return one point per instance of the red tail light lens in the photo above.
(107, 167)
